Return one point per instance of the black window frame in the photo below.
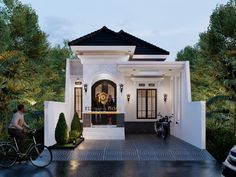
(146, 100)
(81, 91)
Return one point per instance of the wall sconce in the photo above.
(85, 88)
(77, 82)
(121, 87)
(128, 97)
(165, 97)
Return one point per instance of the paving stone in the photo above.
(134, 147)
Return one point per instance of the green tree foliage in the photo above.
(31, 71)
(25, 33)
(218, 44)
(213, 71)
(61, 131)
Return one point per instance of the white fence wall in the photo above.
(52, 111)
(191, 127)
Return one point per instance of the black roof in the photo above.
(107, 37)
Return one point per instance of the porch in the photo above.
(134, 147)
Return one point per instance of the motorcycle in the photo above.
(161, 126)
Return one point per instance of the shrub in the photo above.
(76, 125)
(73, 135)
(219, 141)
(61, 132)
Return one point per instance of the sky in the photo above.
(169, 24)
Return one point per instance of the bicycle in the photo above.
(161, 126)
(38, 154)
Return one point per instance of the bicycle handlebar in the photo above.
(32, 131)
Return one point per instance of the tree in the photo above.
(218, 44)
(25, 33)
(213, 71)
(30, 70)
(213, 58)
(61, 131)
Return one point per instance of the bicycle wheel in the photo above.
(8, 155)
(40, 155)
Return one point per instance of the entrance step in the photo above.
(104, 133)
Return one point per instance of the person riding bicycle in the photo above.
(18, 128)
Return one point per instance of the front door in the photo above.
(103, 100)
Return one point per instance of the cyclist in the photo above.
(18, 128)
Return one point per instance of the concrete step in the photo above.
(104, 133)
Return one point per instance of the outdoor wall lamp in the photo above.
(165, 97)
(121, 87)
(128, 97)
(78, 82)
(85, 88)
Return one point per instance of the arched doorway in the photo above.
(104, 99)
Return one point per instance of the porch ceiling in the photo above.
(151, 69)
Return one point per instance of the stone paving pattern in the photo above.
(134, 147)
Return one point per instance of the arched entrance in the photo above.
(104, 99)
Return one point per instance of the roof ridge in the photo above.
(96, 32)
(122, 31)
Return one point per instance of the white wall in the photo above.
(191, 127)
(52, 111)
(95, 72)
(130, 87)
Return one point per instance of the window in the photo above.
(141, 85)
(178, 98)
(146, 103)
(151, 85)
(78, 101)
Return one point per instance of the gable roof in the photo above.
(107, 37)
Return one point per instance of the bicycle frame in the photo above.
(32, 154)
(21, 155)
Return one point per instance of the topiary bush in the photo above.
(61, 131)
(73, 135)
(76, 125)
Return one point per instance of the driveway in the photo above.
(134, 147)
(117, 169)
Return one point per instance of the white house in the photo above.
(118, 83)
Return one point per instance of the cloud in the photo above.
(58, 29)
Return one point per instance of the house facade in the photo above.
(118, 83)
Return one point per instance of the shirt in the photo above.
(18, 121)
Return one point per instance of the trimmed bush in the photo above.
(73, 135)
(61, 131)
(76, 125)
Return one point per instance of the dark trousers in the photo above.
(20, 137)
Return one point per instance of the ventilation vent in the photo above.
(151, 85)
(141, 85)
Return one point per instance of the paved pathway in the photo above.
(135, 147)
